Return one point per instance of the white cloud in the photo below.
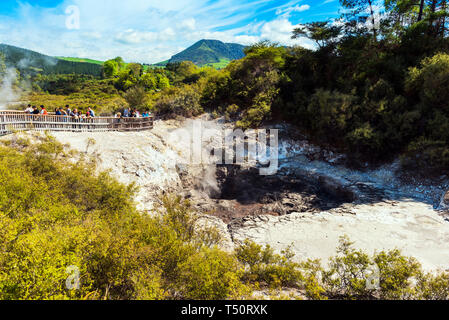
(131, 36)
(189, 24)
(287, 11)
(280, 31)
(145, 31)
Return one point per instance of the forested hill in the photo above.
(27, 61)
(210, 52)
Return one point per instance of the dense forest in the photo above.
(376, 86)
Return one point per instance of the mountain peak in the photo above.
(210, 52)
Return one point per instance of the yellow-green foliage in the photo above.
(264, 266)
(102, 103)
(252, 83)
(348, 272)
(55, 213)
(211, 274)
(396, 274)
(180, 101)
(431, 80)
(352, 274)
(433, 286)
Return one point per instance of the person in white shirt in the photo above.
(29, 109)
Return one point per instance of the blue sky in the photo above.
(150, 31)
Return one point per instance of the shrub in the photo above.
(183, 101)
(397, 274)
(264, 266)
(348, 273)
(364, 140)
(211, 274)
(136, 97)
(330, 112)
(431, 81)
(55, 212)
(433, 286)
(432, 154)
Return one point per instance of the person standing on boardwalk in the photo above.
(44, 111)
(29, 109)
(35, 110)
(126, 113)
(91, 112)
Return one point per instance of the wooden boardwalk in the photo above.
(15, 121)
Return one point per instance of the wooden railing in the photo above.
(12, 121)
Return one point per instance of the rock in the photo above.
(140, 173)
(336, 189)
(444, 205)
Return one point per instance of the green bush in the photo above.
(56, 213)
(433, 287)
(397, 274)
(211, 274)
(136, 97)
(266, 267)
(364, 140)
(431, 81)
(348, 273)
(433, 154)
(330, 112)
(182, 101)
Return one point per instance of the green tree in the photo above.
(136, 97)
(320, 32)
(162, 81)
(183, 101)
(430, 80)
(252, 83)
(120, 62)
(359, 8)
(110, 68)
(136, 69)
(149, 81)
(125, 80)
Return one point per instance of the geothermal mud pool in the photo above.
(311, 202)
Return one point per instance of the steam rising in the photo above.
(196, 156)
(8, 94)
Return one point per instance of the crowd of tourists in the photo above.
(90, 113)
(132, 113)
(63, 112)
